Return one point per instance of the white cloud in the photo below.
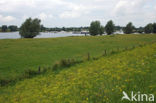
(6, 18)
(12, 5)
(44, 16)
(76, 11)
(69, 14)
(121, 11)
(24, 17)
(155, 7)
(140, 12)
(125, 7)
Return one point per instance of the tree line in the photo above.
(10, 28)
(97, 29)
(32, 27)
(13, 28)
(67, 29)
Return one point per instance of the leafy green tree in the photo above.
(13, 28)
(102, 29)
(148, 28)
(140, 30)
(42, 28)
(154, 27)
(63, 28)
(30, 28)
(129, 28)
(110, 27)
(95, 28)
(4, 28)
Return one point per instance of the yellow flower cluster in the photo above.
(97, 81)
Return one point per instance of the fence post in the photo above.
(88, 56)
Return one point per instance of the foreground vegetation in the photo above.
(97, 81)
(17, 56)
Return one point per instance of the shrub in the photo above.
(64, 63)
(109, 28)
(148, 28)
(29, 73)
(4, 82)
(30, 28)
(96, 28)
(129, 28)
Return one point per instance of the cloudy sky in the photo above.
(78, 12)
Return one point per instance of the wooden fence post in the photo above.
(88, 56)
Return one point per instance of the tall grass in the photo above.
(64, 63)
(94, 81)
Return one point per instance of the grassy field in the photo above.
(18, 55)
(95, 81)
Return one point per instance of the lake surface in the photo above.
(15, 35)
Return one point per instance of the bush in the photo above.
(4, 82)
(4, 28)
(154, 27)
(96, 28)
(109, 28)
(64, 63)
(30, 28)
(29, 73)
(129, 28)
(148, 28)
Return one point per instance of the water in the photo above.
(15, 35)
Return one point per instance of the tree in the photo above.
(154, 27)
(4, 28)
(13, 28)
(42, 28)
(95, 28)
(118, 28)
(109, 28)
(30, 28)
(140, 30)
(129, 28)
(63, 28)
(102, 29)
(148, 28)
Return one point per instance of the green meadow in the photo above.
(18, 55)
(94, 81)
